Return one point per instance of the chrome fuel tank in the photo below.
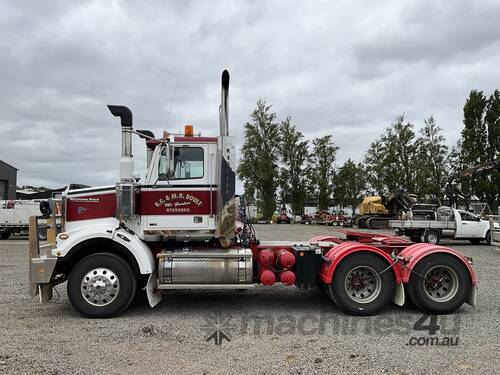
(214, 266)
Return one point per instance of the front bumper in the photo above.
(41, 264)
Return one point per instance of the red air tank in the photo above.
(267, 277)
(266, 258)
(286, 258)
(287, 278)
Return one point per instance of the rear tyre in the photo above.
(4, 235)
(444, 287)
(432, 237)
(42, 233)
(362, 222)
(101, 285)
(358, 288)
(488, 237)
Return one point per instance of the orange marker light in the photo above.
(188, 130)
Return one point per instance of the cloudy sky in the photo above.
(341, 68)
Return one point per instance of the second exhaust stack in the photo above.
(223, 110)
(126, 161)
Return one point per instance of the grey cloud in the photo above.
(335, 67)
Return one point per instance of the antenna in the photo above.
(173, 94)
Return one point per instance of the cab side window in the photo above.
(188, 163)
(467, 216)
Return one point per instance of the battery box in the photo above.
(307, 266)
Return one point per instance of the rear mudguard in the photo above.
(334, 256)
(415, 253)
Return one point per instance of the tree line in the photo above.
(279, 165)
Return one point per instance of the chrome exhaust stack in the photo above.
(226, 160)
(126, 161)
(125, 189)
(223, 109)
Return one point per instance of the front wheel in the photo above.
(439, 284)
(101, 285)
(360, 286)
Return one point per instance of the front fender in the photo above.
(415, 253)
(139, 250)
(337, 253)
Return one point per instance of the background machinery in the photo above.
(376, 211)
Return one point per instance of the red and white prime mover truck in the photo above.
(182, 228)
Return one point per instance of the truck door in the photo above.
(185, 199)
(468, 225)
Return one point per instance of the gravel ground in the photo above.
(271, 330)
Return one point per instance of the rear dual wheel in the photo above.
(439, 284)
(360, 286)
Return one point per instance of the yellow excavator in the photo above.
(375, 211)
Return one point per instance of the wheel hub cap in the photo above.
(362, 284)
(441, 283)
(100, 286)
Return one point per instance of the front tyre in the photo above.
(443, 284)
(359, 286)
(101, 285)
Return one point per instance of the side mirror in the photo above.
(166, 166)
(171, 165)
(45, 208)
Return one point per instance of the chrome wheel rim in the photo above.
(441, 283)
(363, 284)
(100, 286)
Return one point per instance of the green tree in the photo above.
(431, 168)
(375, 170)
(258, 168)
(455, 186)
(475, 143)
(390, 160)
(321, 169)
(492, 119)
(350, 184)
(294, 153)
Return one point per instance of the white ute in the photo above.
(447, 223)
